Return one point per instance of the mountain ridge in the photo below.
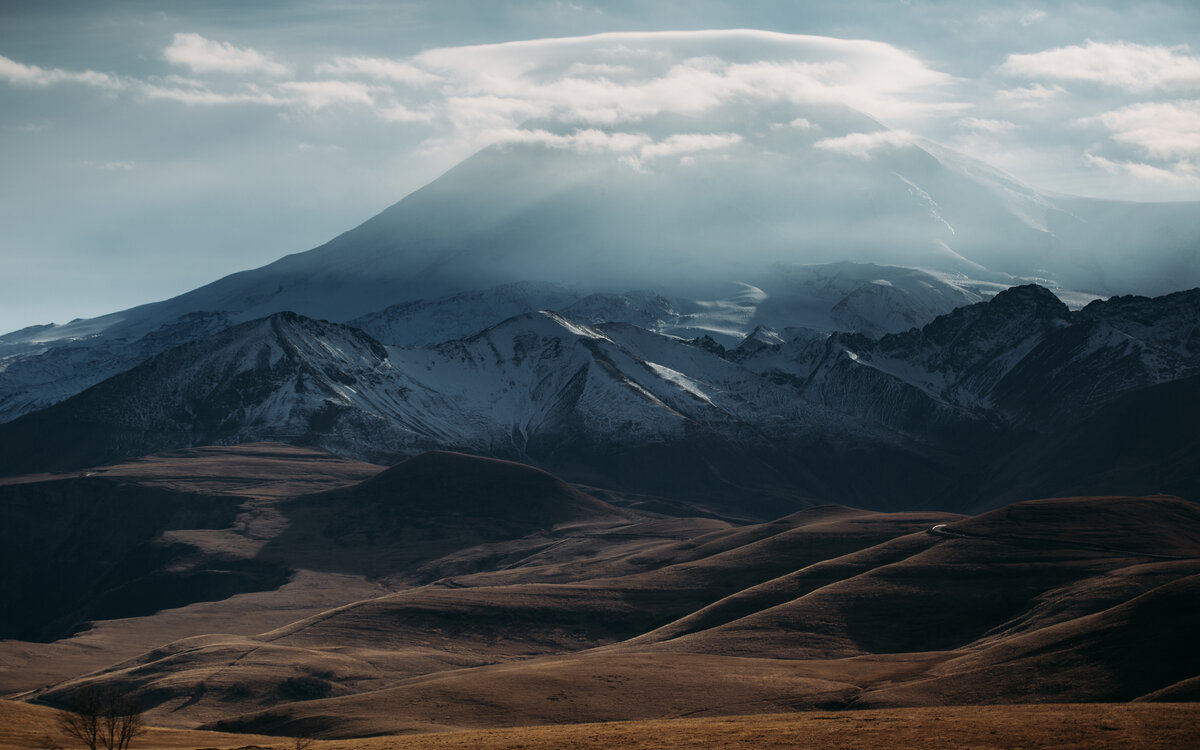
(766, 423)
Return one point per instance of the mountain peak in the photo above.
(1030, 296)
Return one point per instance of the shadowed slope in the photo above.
(604, 618)
(86, 548)
(427, 507)
(918, 619)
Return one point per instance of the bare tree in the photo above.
(102, 718)
(122, 721)
(81, 720)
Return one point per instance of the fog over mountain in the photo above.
(689, 205)
(782, 216)
(218, 148)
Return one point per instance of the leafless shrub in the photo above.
(102, 718)
(302, 741)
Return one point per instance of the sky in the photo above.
(147, 148)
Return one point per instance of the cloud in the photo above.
(689, 143)
(31, 75)
(401, 113)
(594, 80)
(1183, 173)
(1124, 65)
(1032, 96)
(308, 95)
(112, 166)
(985, 126)
(1160, 130)
(379, 68)
(469, 96)
(320, 94)
(616, 77)
(1008, 17)
(598, 69)
(1034, 16)
(204, 96)
(207, 56)
(640, 145)
(863, 145)
(589, 141)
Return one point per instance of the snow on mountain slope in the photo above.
(865, 297)
(789, 416)
(526, 385)
(1021, 358)
(965, 353)
(539, 378)
(36, 373)
(869, 298)
(279, 378)
(1169, 322)
(432, 321)
(779, 226)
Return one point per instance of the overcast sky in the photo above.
(147, 148)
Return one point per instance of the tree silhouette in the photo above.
(102, 718)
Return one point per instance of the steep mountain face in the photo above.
(1022, 356)
(929, 414)
(281, 377)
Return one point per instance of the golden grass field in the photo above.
(1059, 726)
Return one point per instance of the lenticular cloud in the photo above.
(625, 78)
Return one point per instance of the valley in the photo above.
(454, 592)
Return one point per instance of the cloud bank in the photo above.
(469, 96)
(1133, 67)
(602, 94)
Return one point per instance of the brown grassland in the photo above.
(460, 602)
(1064, 726)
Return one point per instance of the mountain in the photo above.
(39, 370)
(958, 414)
(682, 227)
(777, 222)
(42, 367)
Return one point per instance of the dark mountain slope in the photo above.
(75, 550)
(425, 508)
(995, 402)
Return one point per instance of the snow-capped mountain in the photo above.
(832, 418)
(778, 221)
(37, 370)
(863, 297)
(684, 227)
